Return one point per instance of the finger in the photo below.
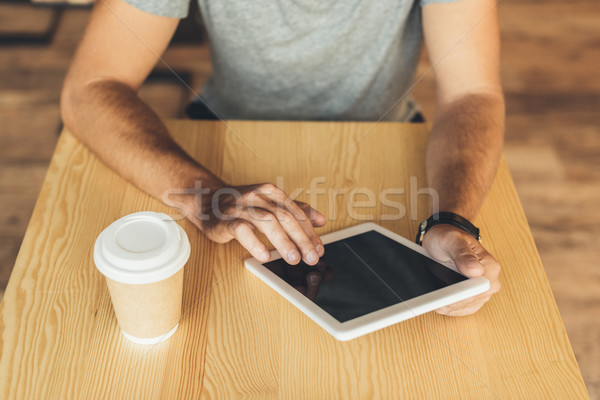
(492, 267)
(296, 233)
(268, 224)
(291, 225)
(278, 196)
(460, 312)
(492, 270)
(465, 259)
(479, 299)
(465, 307)
(306, 225)
(271, 192)
(316, 218)
(462, 307)
(495, 286)
(244, 234)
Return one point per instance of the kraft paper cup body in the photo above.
(142, 257)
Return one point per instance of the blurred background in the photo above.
(550, 72)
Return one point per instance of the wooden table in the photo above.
(238, 338)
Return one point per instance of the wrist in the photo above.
(199, 200)
(191, 193)
(447, 219)
(465, 211)
(447, 232)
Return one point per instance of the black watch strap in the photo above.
(447, 218)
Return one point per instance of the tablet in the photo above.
(369, 278)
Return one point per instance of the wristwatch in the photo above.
(447, 218)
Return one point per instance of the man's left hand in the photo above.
(446, 243)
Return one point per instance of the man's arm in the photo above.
(466, 140)
(100, 106)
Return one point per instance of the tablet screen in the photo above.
(365, 273)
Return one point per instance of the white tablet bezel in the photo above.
(378, 319)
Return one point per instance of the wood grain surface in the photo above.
(237, 337)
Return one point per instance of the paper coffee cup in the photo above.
(142, 257)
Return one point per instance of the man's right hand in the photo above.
(236, 212)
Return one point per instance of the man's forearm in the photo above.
(128, 136)
(463, 151)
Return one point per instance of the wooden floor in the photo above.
(551, 52)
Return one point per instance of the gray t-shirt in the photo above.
(308, 59)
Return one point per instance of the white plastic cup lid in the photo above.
(141, 248)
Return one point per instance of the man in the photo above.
(346, 60)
